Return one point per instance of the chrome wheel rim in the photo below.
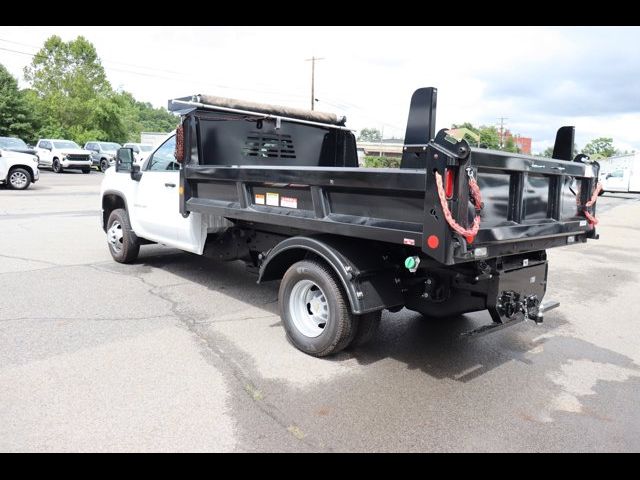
(115, 237)
(309, 308)
(18, 179)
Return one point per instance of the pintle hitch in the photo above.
(512, 308)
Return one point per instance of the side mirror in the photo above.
(136, 174)
(124, 160)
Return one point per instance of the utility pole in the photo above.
(313, 61)
(502, 119)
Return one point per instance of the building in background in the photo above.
(390, 147)
(523, 143)
(152, 138)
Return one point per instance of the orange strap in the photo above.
(591, 218)
(468, 233)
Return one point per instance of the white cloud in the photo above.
(540, 78)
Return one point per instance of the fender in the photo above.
(115, 193)
(365, 275)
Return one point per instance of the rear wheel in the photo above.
(124, 245)
(314, 309)
(19, 179)
(56, 166)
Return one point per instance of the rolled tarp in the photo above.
(268, 109)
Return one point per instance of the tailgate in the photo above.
(528, 202)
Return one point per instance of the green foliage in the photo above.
(142, 117)
(70, 97)
(601, 147)
(510, 145)
(489, 135)
(381, 162)
(370, 135)
(16, 118)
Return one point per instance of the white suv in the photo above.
(140, 150)
(18, 170)
(61, 154)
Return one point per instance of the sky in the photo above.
(537, 78)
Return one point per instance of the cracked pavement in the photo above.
(181, 353)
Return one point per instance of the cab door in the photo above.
(157, 202)
(44, 153)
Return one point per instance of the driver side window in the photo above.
(164, 158)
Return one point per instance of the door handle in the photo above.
(170, 185)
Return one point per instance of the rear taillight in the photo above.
(449, 176)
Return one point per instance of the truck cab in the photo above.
(152, 200)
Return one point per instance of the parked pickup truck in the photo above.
(455, 229)
(103, 154)
(18, 170)
(63, 154)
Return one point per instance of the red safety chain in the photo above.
(588, 215)
(468, 233)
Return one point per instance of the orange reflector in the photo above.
(448, 183)
(433, 241)
(181, 190)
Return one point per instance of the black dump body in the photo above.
(287, 170)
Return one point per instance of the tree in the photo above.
(601, 147)
(370, 135)
(71, 93)
(381, 162)
(16, 118)
(510, 145)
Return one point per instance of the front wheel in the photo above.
(19, 179)
(104, 165)
(314, 309)
(124, 245)
(86, 170)
(56, 166)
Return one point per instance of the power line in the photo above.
(150, 75)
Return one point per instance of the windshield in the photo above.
(146, 148)
(65, 144)
(7, 142)
(109, 146)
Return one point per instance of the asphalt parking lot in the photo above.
(182, 353)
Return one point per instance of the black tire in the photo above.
(104, 165)
(340, 326)
(56, 166)
(129, 246)
(19, 179)
(86, 170)
(368, 326)
(601, 193)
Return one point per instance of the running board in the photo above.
(495, 326)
